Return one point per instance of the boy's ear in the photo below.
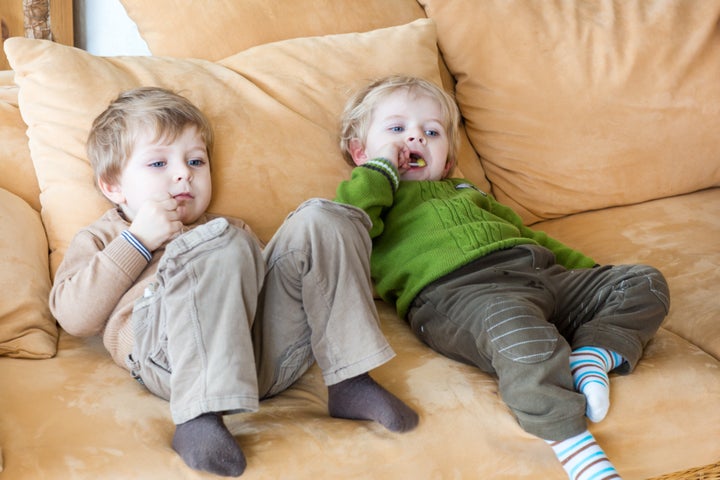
(357, 151)
(449, 164)
(112, 191)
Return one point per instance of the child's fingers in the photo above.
(167, 203)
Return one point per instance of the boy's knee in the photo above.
(244, 242)
(519, 332)
(320, 229)
(656, 283)
(330, 215)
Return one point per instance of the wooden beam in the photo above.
(61, 21)
(37, 19)
(40, 18)
(11, 24)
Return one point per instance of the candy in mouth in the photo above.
(416, 161)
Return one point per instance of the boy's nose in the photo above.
(418, 137)
(182, 173)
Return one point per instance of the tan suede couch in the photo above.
(599, 121)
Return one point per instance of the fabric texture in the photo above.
(518, 313)
(100, 260)
(622, 235)
(317, 303)
(274, 110)
(569, 103)
(18, 174)
(104, 425)
(583, 459)
(193, 345)
(452, 222)
(27, 330)
(220, 28)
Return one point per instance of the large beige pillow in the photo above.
(275, 109)
(18, 174)
(214, 29)
(581, 105)
(27, 330)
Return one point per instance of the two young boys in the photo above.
(204, 316)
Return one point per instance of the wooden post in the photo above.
(61, 21)
(4, 29)
(25, 17)
(37, 19)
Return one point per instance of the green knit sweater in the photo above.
(423, 230)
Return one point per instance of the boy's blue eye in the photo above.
(196, 162)
(432, 133)
(159, 163)
(397, 129)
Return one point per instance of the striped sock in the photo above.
(583, 459)
(590, 367)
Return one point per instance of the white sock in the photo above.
(590, 367)
(583, 459)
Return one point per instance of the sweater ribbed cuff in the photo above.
(126, 258)
(384, 166)
(137, 244)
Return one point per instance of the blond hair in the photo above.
(115, 131)
(357, 116)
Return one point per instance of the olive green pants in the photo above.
(518, 314)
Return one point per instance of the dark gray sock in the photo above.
(205, 443)
(361, 398)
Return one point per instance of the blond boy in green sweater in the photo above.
(478, 286)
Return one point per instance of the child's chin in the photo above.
(186, 217)
(415, 175)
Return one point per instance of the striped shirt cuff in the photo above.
(137, 244)
(384, 166)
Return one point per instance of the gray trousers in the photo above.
(517, 314)
(228, 324)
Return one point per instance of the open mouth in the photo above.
(416, 161)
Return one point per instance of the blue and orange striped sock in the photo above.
(590, 367)
(583, 459)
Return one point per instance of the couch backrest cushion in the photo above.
(27, 330)
(215, 29)
(275, 109)
(18, 174)
(581, 105)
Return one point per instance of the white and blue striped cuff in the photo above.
(137, 244)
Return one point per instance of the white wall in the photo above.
(102, 27)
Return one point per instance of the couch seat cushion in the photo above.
(678, 235)
(80, 416)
